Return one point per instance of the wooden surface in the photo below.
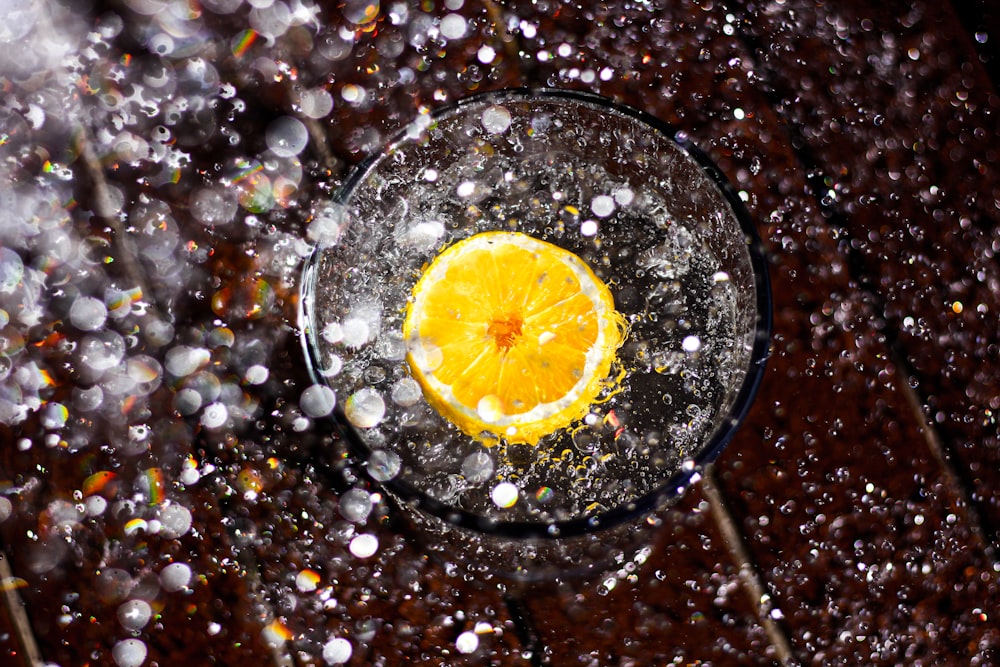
(853, 520)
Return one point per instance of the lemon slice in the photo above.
(510, 336)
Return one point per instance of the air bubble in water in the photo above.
(383, 465)
(365, 408)
(356, 505)
(423, 235)
(332, 332)
(286, 136)
(405, 392)
(175, 577)
(337, 651)
(129, 653)
(317, 401)
(134, 614)
(477, 467)
(88, 313)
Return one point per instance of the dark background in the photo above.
(852, 521)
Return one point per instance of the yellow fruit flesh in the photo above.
(511, 336)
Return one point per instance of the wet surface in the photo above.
(168, 494)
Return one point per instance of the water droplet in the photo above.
(365, 408)
(364, 545)
(317, 401)
(691, 344)
(214, 206)
(307, 581)
(187, 401)
(602, 206)
(256, 374)
(496, 119)
(134, 614)
(383, 465)
(486, 54)
(175, 577)
(337, 651)
(11, 270)
(504, 495)
(453, 26)
(129, 653)
(55, 416)
(102, 350)
(467, 642)
(405, 392)
(175, 520)
(95, 505)
(286, 136)
(88, 313)
(182, 360)
(477, 467)
(355, 332)
(316, 103)
(356, 505)
(113, 584)
(215, 415)
(361, 11)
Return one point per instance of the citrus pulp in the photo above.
(510, 336)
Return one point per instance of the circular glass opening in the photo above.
(540, 313)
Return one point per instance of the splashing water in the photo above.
(646, 219)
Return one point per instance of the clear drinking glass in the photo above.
(655, 221)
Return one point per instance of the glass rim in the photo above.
(674, 485)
